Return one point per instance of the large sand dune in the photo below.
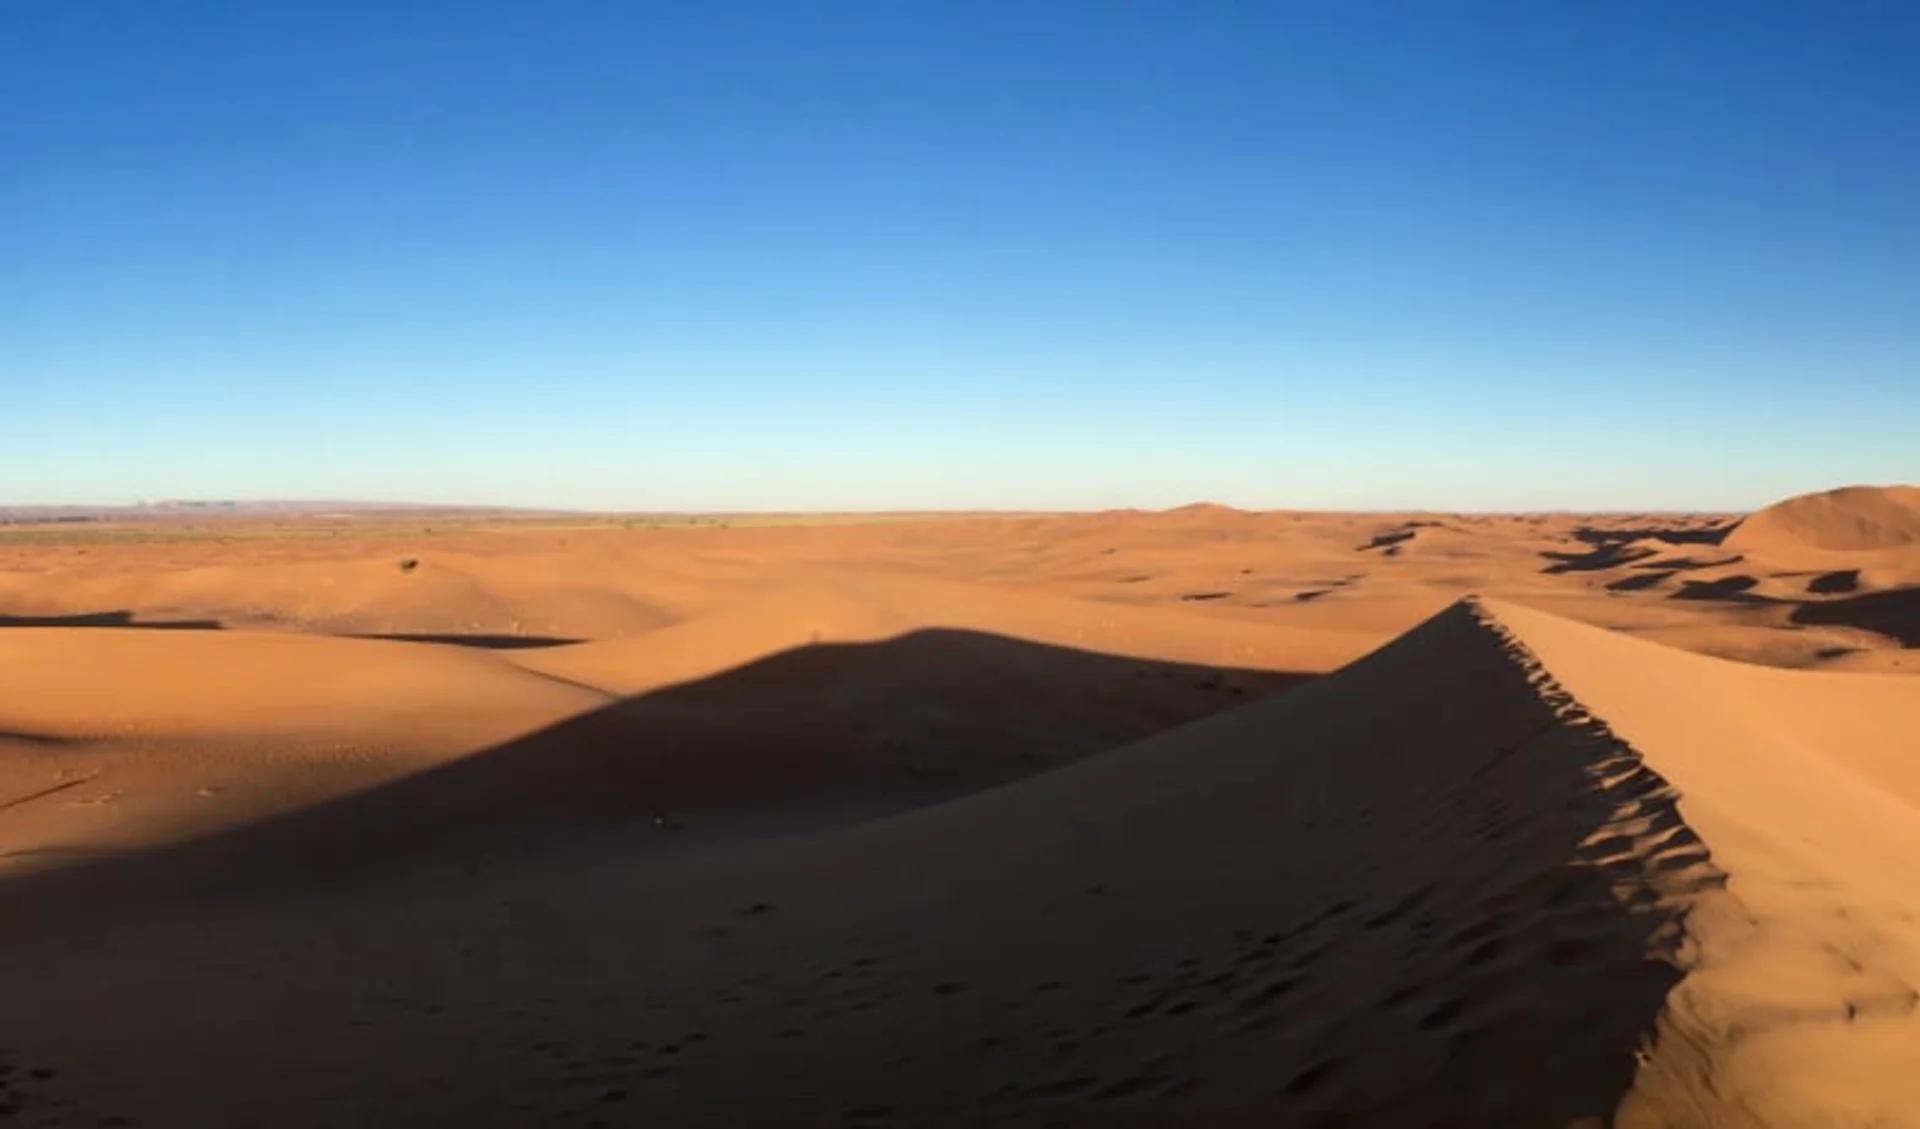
(1500, 872)
(1022, 821)
(1850, 518)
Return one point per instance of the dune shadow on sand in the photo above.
(108, 619)
(1390, 540)
(1839, 582)
(1425, 890)
(129, 619)
(1735, 589)
(1894, 612)
(1671, 534)
(1610, 555)
(481, 641)
(1613, 548)
(869, 727)
(1638, 581)
(1834, 596)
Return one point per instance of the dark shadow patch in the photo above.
(1614, 548)
(109, 619)
(1690, 564)
(1836, 583)
(1593, 560)
(1390, 539)
(783, 734)
(1735, 588)
(1672, 535)
(1639, 581)
(44, 792)
(1894, 613)
(484, 642)
(41, 740)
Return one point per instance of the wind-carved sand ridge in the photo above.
(1030, 857)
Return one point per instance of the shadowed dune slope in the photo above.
(817, 736)
(1506, 871)
(1850, 518)
(168, 734)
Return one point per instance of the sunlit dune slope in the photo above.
(1799, 1003)
(866, 608)
(80, 683)
(1849, 518)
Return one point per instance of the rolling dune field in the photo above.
(1199, 817)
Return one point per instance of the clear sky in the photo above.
(857, 255)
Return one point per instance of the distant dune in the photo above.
(1850, 518)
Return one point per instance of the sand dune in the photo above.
(147, 737)
(1850, 518)
(1799, 1003)
(774, 703)
(817, 736)
(1463, 881)
(82, 684)
(876, 607)
(1204, 817)
(1364, 577)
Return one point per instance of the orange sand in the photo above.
(1190, 818)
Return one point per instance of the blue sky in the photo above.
(880, 255)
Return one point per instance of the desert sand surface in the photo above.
(1199, 817)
